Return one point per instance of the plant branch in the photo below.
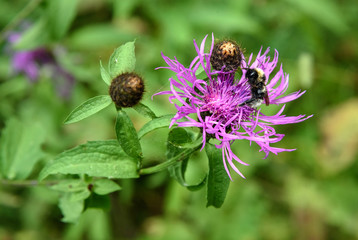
(171, 161)
(26, 183)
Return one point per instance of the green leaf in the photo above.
(123, 8)
(20, 148)
(105, 75)
(61, 14)
(80, 195)
(70, 185)
(127, 135)
(122, 60)
(198, 186)
(105, 186)
(97, 159)
(88, 108)
(144, 110)
(71, 210)
(218, 180)
(329, 14)
(96, 36)
(235, 19)
(37, 35)
(77, 187)
(9, 88)
(177, 171)
(178, 139)
(159, 122)
(98, 201)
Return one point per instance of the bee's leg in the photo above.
(247, 102)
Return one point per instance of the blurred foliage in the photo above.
(307, 194)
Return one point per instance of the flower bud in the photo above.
(226, 53)
(126, 90)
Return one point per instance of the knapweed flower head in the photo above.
(126, 90)
(226, 55)
(218, 102)
(30, 63)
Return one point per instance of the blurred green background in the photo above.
(311, 193)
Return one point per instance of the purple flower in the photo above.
(216, 104)
(30, 62)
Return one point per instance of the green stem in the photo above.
(19, 17)
(26, 183)
(171, 161)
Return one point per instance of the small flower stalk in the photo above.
(228, 108)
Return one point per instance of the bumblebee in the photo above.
(256, 79)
